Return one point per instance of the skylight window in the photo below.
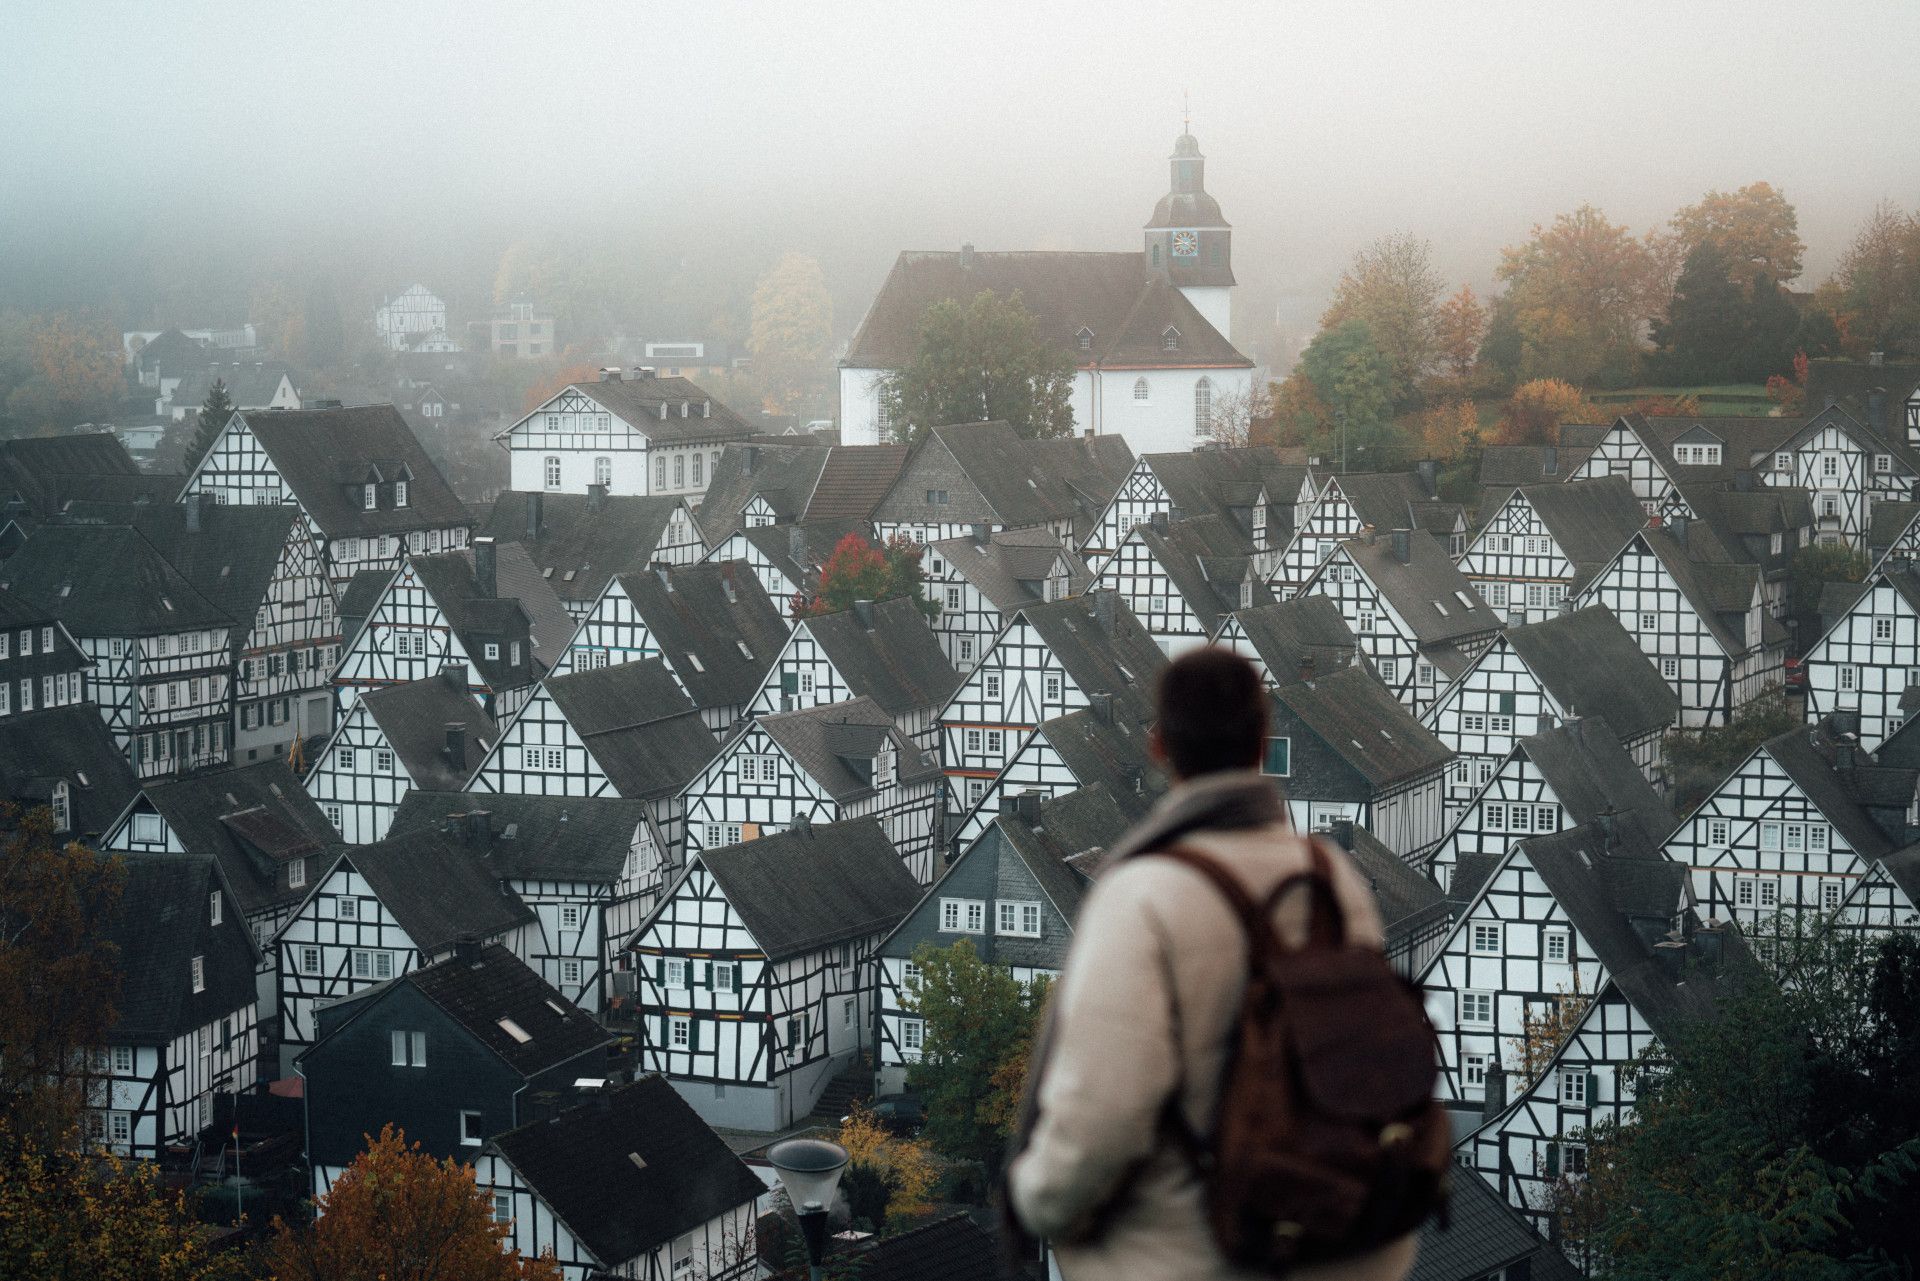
(1466, 602)
(555, 1007)
(639, 1162)
(698, 666)
(514, 1030)
(742, 647)
(1442, 608)
(570, 574)
(547, 572)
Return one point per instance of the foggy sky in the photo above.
(733, 131)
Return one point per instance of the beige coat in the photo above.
(1152, 938)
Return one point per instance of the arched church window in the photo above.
(1156, 255)
(1203, 407)
(1139, 389)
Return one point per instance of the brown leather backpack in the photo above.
(1327, 1142)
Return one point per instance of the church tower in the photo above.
(1189, 243)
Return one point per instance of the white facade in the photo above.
(403, 321)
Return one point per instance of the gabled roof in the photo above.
(1433, 598)
(159, 923)
(855, 481)
(1715, 589)
(1384, 500)
(1591, 774)
(1589, 663)
(812, 886)
(518, 586)
(1028, 482)
(1590, 520)
(107, 580)
(536, 838)
(1111, 294)
(639, 402)
(1902, 867)
(889, 655)
(1102, 655)
(413, 717)
(784, 475)
(582, 542)
(1287, 634)
(1889, 520)
(230, 557)
(1850, 381)
(1841, 794)
(361, 594)
(798, 551)
(1484, 1236)
(323, 455)
(1370, 729)
(72, 745)
(1063, 840)
(830, 740)
(1224, 482)
(250, 384)
(1205, 558)
(482, 991)
(951, 1249)
(1109, 752)
(441, 886)
(251, 820)
(714, 624)
(1010, 568)
(637, 724)
(1407, 898)
(172, 352)
(582, 1164)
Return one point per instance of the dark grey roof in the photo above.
(951, 1249)
(1902, 867)
(231, 557)
(637, 724)
(1889, 520)
(66, 744)
(362, 593)
(250, 384)
(160, 922)
(551, 838)
(1287, 633)
(714, 624)
(1101, 658)
(1025, 482)
(813, 543)
(1849, 382)
(811, 886)
(1838, 794)
(326, 455)
(441, 886)
(1205, 559)
(897, 661)
(1062, 836)
(1591, 774)
(1384, 500)
(855, 481)
(1719, 592)
(252, 820)
(107, 580)
(1370, 729)
(1010, 568)
(1589, 663)
(1408, 899)
(1506, 467)
(1109, 752)
(171, 352)
(478, 992)
(1484, 1236)
(1589, 519)
(518, 584)
(413, 717)
(582, 1165)
(1428, 590)
(640, 403)
(1225, 482)
(785, 475)
(582, 542)
(835, 743)
(45, 471)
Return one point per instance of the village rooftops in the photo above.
(71, 745)
(478, 604)
(713, 623)
(1206, 559)
(1365, 725)
(440, 884)
(578, 542)
(229, 553)
(814, 885)
(535, 838)
(1590, 520)
(107, 580)
(1021, 482)
(159, 924)
(1228, 481)
(1408, 900)
(667, 411)
(1063, 839)
(1590, 665)
(328, 457)
(1098, 641)
(1012, 566)
(782, 475)
(1417, 577)
(638, 726)
(1843, 783)
(1299, 639)
(885, 650)
(836, 743)
(418, 719)
(798, 551)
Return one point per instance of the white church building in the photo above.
(1150, 331)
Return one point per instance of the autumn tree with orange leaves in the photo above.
(1754, 229)
(1458, 326)
(396, 1214)
(858, 570)
(1537, 410)
(1449, 431)
(1581, 291)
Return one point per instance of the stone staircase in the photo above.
(855, 1085)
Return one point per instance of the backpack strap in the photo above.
(1326, 924)
(1253, 919)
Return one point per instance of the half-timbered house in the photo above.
(41, 665)
(1346, 749)
(1847, 467)
(1345, 507)
(1886, 897)
(982, 580)
(162, 653)
(1254, 486)
(756, 969)
(185, 1015)
(1531, 678)
(630, 1184)
(1291, 640)
(426, 734)
(1573, 773)
(1505, 468)
(1050, 659)
(1411, 610)
(64, 758)
(787, 558)
(1892, 388)
(1893, 534)
(985, 474)
(1182, 578)
(359, 475)
(1704, 623)
(711, 624)
(1657, 455)
(579, 542)
(1868, 662)
(823, 764)
(452, 1053)
(756, 484)
(486, 608)
(1784, 839)
(881, 650)
(383, 909)
(1013, 893)
(1544, 541)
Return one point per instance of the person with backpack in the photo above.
(1231, 1082)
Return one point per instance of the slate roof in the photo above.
(478, 992)
(1069, 832)
(785, 475)
(823, 739)
(1902, 867)
(357, 599)
(816, 542)
(1840, 795)
(855, 481)
(1287, 632)
(251, 384)
(413, 717)
(1590, 520)
(1849, 381)
(1431, 595)
(1384, 500)
(1590, 663)
(172, 352)
(897, 661)
(38, 749)
(1010, 568)
(638, 402)
(324, 455)
(251, 820)
(1029, 482)
(1112, 294)
(701, 616)
(1099, 659)
(159, 924)
(1592, 774)
(449, 578)
(581, 546)
(1484, 1237)
(1110, 753)
(554, 838)
(1205, 559)
(107, 580)
(441, 886)
(230, 558)
(1719, 592)
(1224, 482)
(809, 887)
(1370, 729)
(1889, 520)
(1507, 467)
(45, 471)
(637, 724)
(1407, 899)
(951, 1249)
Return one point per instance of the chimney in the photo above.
(1706, 946)
(863, 611)
(467, 948)
(981, 535)
(1496, 1097)
(1877, 409)
(1677, 526)
(752, 458)
(486, 571)
(966, 255)
(797, 545)
(1549, 460)
(1403, 545)
(478, 827)
(455, 675)
(1516, 618)
(456, 745)
(1102, 704)
(596, 497)
(1106, 607)
(726, 582)
(660, 571)
(536, 505)
(1159, 522)
(610, 374)
(1306, 668)
(1176, 513)
(1844, 753)
(1341, 830)
(802, 827)
(1671, 956)
(192, 505)
(1609, 824)
(1428, 470)
(645, 372)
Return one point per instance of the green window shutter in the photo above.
(1553, 1160)
(1593, 1088)
(789, 682)
(707, 980)
(660, 970)
(693, 1034)
(1506, 704)
(1279, 756)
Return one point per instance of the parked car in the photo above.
(902, 1114)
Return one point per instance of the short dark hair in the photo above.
(1212, 712)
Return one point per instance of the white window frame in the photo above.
(1487, 938)
(1017, 918)
(1471, 1000)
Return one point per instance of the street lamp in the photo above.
(810, 1170)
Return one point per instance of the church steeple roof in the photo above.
(1187, 203)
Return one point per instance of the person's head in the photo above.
(1211, 714)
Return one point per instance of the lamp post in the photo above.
(810, 1170)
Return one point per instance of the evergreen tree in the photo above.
(1719, 328)
(213, 416)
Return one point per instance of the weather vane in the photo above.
(1186, 114)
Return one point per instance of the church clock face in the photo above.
(1186, 244)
